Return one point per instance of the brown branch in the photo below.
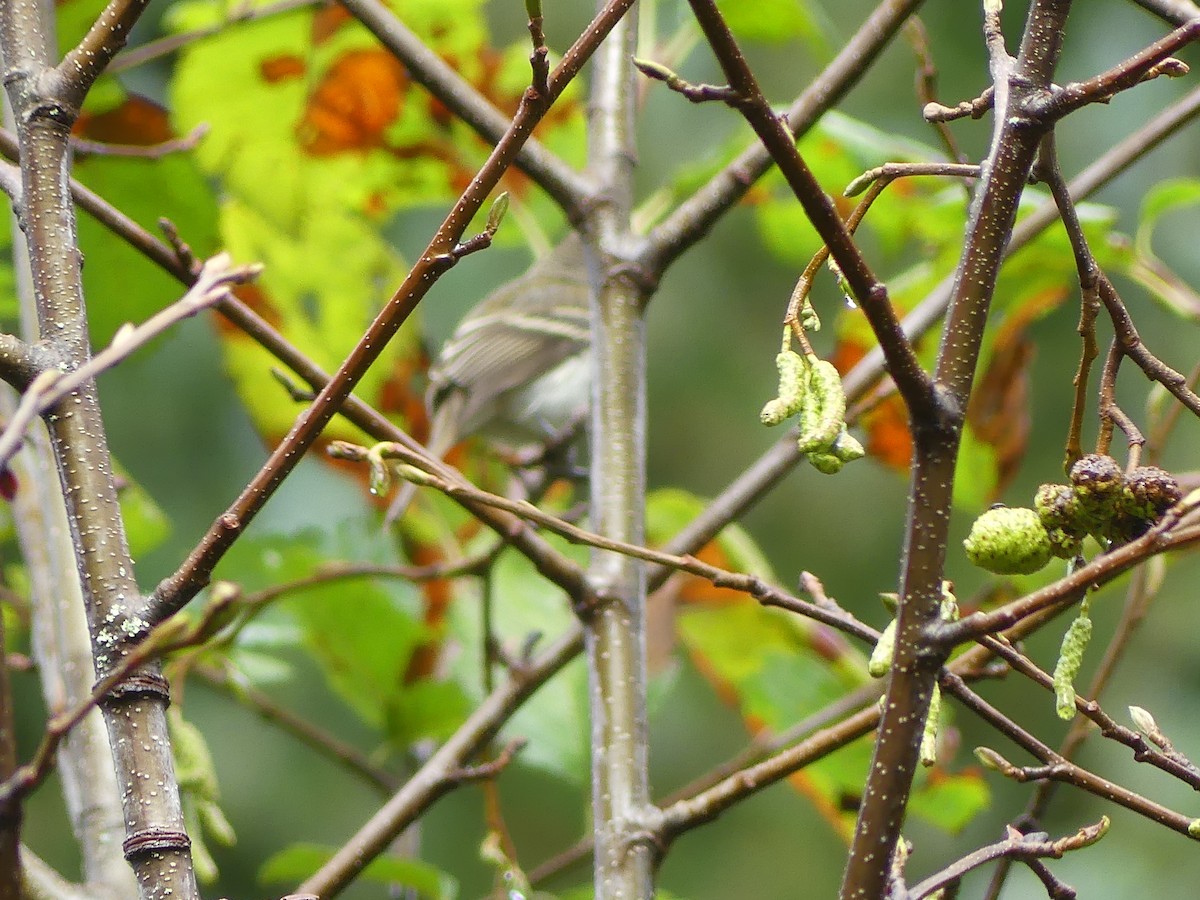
(1177, 12)
(1016, 846)
(762, 746)
(1143, 750)
(1167, 535)
(45, 101)
(936, 431)
(151, 50)
(168, 636)
(751, 585)
(82, 65)
(436, 776)
(1059, 102)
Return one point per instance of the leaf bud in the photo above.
(1008, 541)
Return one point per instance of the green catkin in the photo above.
(1070, 660)
(826, 463)
(846, 447)
(828, 415)
(793, 378)
(930, 735)
(885, 649)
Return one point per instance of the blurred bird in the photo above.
(518, 366)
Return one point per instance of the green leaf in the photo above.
(773, 21)
(528, 611)
(301, 860)
(950, 801)
(363, 641)
(767, 659)
(1164, 197)
(426, 709)
(360, 632)
(669, 510)
(976, 473)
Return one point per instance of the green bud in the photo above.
(497, 212)
(1194, 829)
(1070, 660)
(1008, 541)
(1143, 721)
(990, 759)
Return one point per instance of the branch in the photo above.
(320, 741)
(751, 585)
(121, 678)
(1168, 534)
(1015, 846)
(62, 652)
(20, 362)
(1149, 63)
(705, 806)
(82, 65)
(1166, 759)
(439, 773)
(615, 630)
(937, 432)
(151, 50)
(45, 102)
(1177, 12)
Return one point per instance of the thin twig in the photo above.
(319, 740)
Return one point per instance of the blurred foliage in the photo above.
(320, 156)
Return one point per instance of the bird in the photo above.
(517, 367)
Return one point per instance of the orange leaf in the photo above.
(137, 121)
(281, 68)
(359, 97)
(999, 408)
(328, 21)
